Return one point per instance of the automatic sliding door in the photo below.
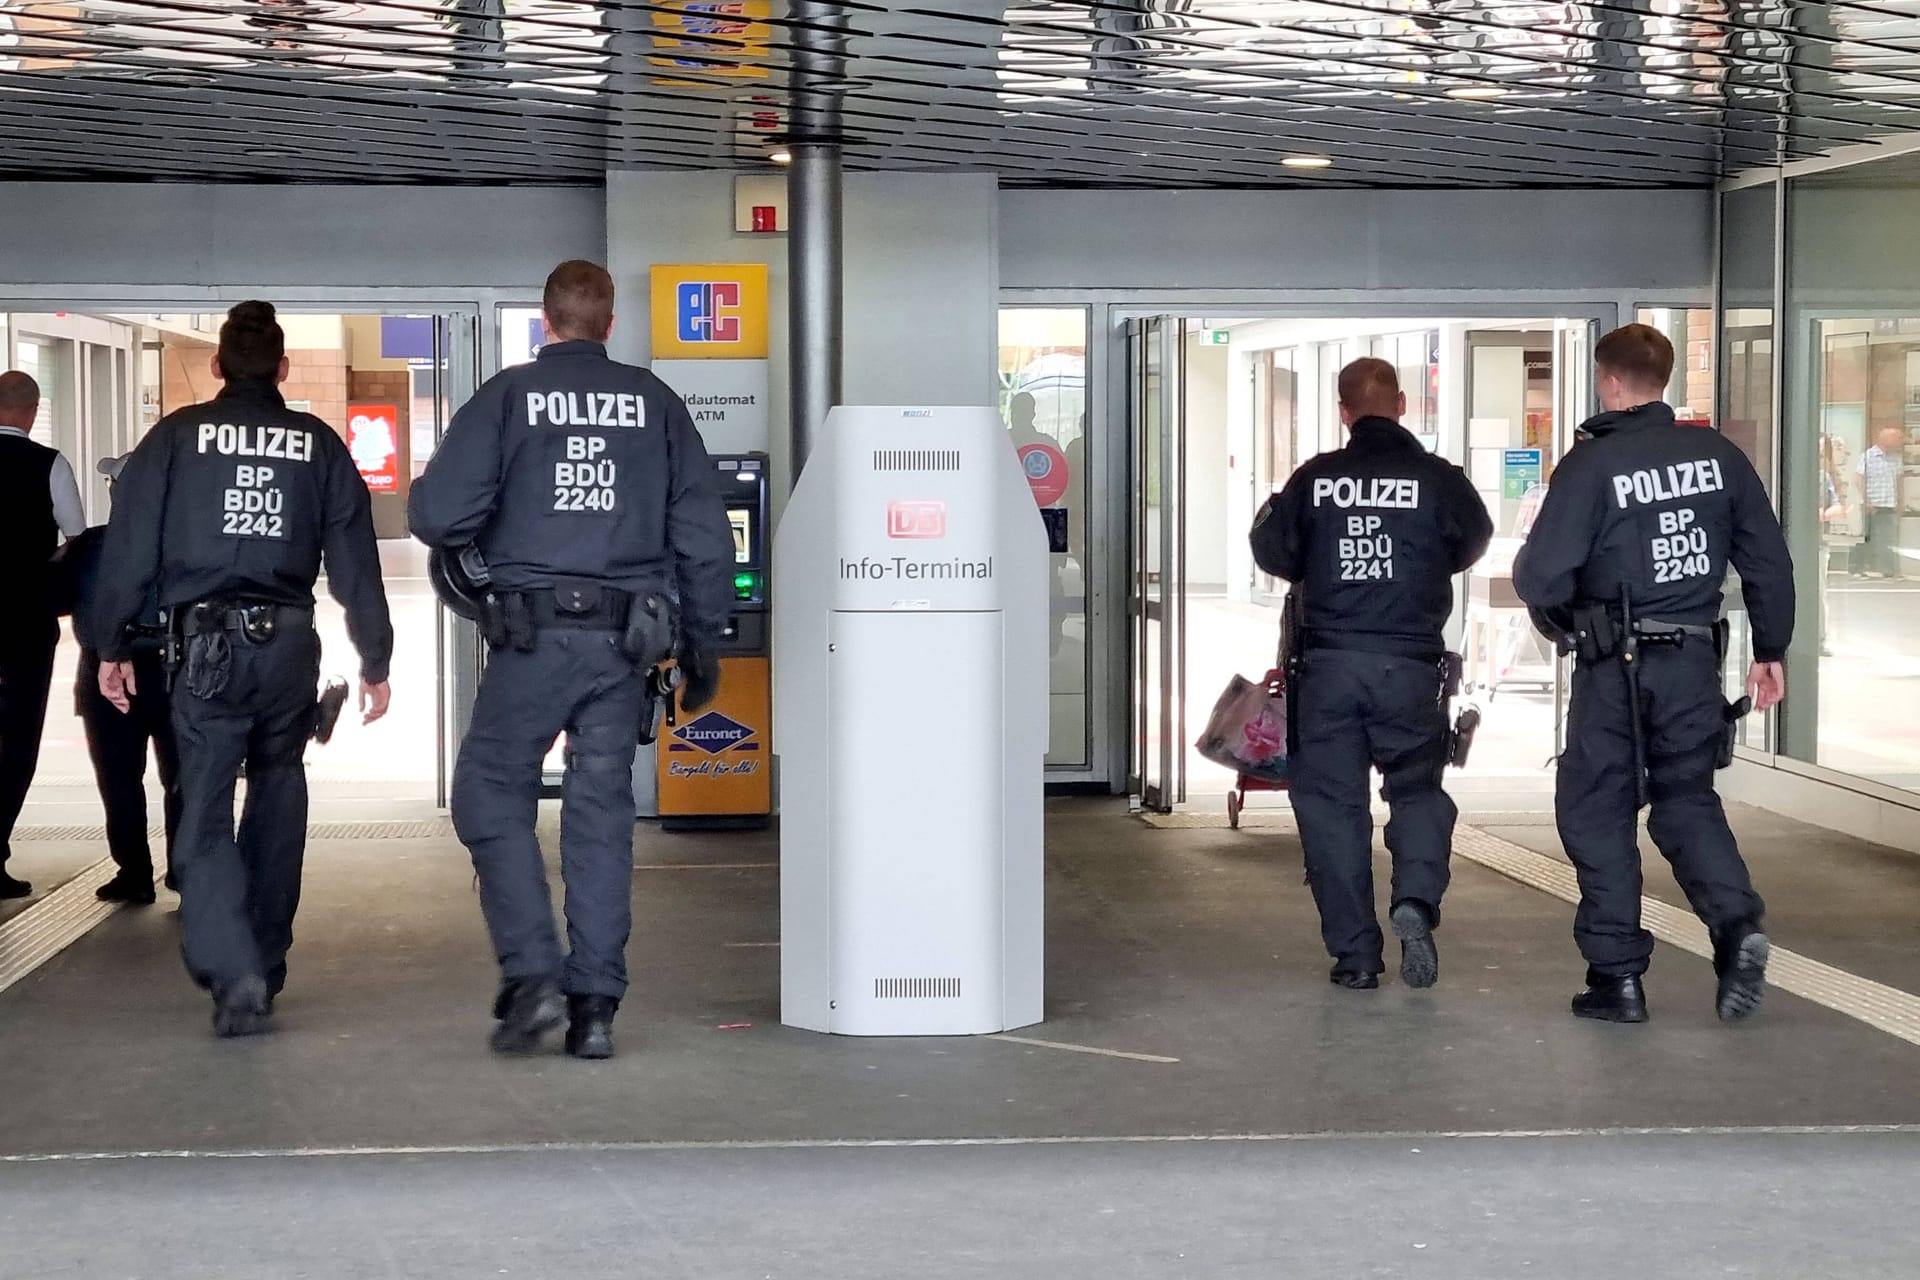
(1156, 351)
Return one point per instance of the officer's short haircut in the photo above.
(1639, 355)
(18, 391)
(1370, 387)
(579, 300)
(252, 343)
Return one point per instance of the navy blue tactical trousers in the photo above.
(238, 894)
(1356, 712)
(578, 682)
(1682, 717)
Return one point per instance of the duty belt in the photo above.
(1654, 631)
(595, 608)
(259, 619)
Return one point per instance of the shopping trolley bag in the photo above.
(1247, 731)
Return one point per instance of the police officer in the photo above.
(589, 497)
(1371, 536)
(224, 513)
(117, 741)
(1626, 562)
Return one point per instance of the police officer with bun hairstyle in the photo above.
(572, 499)
(224, 514)
(1371, 536)
(1624, 566)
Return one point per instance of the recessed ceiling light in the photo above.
(781, 156)
(269, 153)
(1307, 162)
(1477, 92)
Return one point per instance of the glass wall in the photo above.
(1043, 400)
(1822, 273)
(1850, 470)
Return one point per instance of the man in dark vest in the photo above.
(39, 501)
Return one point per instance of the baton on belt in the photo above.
(1292, 628)
(1630, 663)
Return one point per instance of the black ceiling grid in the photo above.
(1104, 93)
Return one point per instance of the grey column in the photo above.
(813, 291)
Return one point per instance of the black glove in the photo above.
(702, 683)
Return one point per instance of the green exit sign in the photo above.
(1213, 337)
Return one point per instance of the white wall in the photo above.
(1615, 241)
(1208, 477)
(192, 235)
(919, 285)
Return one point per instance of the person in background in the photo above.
(1878, 473)
(118, 742)
(39, 503)
(1833, 515)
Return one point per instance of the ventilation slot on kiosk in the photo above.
(916, 988)
(916, 459)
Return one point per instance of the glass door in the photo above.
(1156, 420)
(1573, 404)
(453, 376)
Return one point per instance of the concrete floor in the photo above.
(1572, 1209)
(1194, 945)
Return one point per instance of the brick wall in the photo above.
(319, 378)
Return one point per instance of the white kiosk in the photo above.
(910, 687)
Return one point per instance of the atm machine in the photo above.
(714, 768)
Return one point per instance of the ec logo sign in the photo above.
(708, 311)
(924, 521)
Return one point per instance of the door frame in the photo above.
(473, 354)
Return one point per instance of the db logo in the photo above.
(925, 520)
(706, 311)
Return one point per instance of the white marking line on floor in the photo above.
(883, 1144)
(51, 925)
(1084, 1048)
(753, 944)
(1881, 1007)
(702, 866)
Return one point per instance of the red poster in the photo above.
(1046, 469)
(373, 434)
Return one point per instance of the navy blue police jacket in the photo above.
(1371, 535)
(1643, 502)
(240, 499)
(577, 466)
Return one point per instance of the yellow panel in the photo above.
(719, 763)
(710, 312)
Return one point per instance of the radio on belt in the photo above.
(911, 638)
(715, 768)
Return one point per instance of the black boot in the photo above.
(1419, 959)
(1612, 998)
(1344, 975)
(590, 1034)
(241, 1008)
(527, 1009)
(129, 887)
(12, 888)
(1740, 959)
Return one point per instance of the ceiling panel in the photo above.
(1229, 93)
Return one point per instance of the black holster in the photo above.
(649, 638)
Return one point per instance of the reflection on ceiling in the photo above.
(1045, 92)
